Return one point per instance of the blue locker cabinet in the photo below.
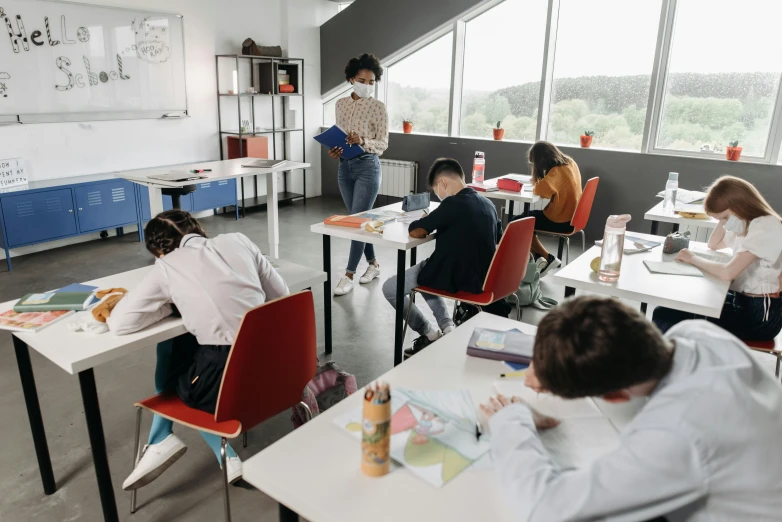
(105, 205)
(210, 195)
(38, 216)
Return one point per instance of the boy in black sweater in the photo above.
(467, 235)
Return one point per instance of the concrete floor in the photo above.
(191, 489)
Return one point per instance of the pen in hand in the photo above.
(478, 430)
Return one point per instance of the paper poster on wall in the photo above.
(12, 173)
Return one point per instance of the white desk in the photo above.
(698, 295)
(525, 197)
(657, 215)
(395, 235)
(225, 169)
(79, 353)
(334, 489)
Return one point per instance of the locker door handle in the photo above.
(70, 210)
(80, 209)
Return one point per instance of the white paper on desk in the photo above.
(578, 442)
(547, 403)
(672, 268)
(686, 196)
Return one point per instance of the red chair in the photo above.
(269, 365)
(507, 269)
(579, 221)
(768, 347)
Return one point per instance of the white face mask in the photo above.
(736, 225)
(363, 90)
(437, 194)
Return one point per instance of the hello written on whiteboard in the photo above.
(151, 47)
(12, 173)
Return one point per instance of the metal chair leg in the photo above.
(136, 457)
(583, 241)
(567, 252)
(244, 439)
(776, 373)
(308, 410)
(224, 462)
(518, 307)
(455, 308)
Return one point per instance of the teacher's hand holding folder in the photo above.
(340, 143)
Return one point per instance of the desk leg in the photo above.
(510, 210)
(413, 256)
(655, 226)
(155, 201)
(675, 227)
(569, 291)
(400, 306)
(286, 515)
(643, 309)
(327, 290)
(272, 214)
(89, 395)
(34, 415)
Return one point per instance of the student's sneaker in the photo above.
(234, 469)
(155, 459)
(372, 273)
(344, 286)
(418, 345)
(545, 265)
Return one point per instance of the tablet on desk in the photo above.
(264, 164)
(176, 176)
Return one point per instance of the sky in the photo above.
(504, 46)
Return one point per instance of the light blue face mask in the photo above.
(438, 195)
(736, 225)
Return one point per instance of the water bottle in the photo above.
(671, 188)
(478, 167)
(613, 248)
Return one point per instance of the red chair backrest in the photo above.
(509, 264)
(271, 361)
(584, 207)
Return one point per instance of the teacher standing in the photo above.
(365, 119)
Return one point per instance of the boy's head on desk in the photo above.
(165, 231)
(595, 346)
(446, 178)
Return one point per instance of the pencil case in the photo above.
(413, 202)
(675, 242)
(509, 184)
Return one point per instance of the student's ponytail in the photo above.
(165, 231)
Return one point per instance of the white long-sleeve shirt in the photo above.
(213, 283)
(705, 447)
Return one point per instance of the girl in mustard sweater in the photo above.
(556, 177)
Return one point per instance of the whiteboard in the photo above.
(76, 62)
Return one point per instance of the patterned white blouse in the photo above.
(368, 117)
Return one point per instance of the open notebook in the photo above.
(672, 268)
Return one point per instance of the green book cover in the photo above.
(50, 301)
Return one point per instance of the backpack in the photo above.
(330, 385)
(529, 292)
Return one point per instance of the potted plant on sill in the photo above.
(499, 132)
(407, 126)
(733, 152)
(586, 139)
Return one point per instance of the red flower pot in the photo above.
(407, 126)
(499, 134)
(586, 141)
(733, 153)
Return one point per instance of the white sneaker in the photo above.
(234, 469)
(372, 273)
(545, 266)
(155, 459)
(449, 329)
(344, 286)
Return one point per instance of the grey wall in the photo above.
(628, 180)
(380, 27)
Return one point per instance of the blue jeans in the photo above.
(417, 320)
(359, 183)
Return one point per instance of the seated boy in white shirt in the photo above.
(705, 446)
(212, 282)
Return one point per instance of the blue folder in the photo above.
(336, 137)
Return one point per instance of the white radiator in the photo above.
(399, 178)
(697, 233)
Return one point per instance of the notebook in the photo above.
(510, 345)
(57, 300)
(346, 221)
(335, 136)
(176, 176)
(30, 321)
(672, 268)
(263, 164)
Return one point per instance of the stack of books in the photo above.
(35, 312)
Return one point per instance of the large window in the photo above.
(602, 71)
(419, 88)
(722, 77)
(503, 59)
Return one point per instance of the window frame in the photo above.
(657, 87)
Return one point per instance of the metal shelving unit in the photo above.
(283, 131)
